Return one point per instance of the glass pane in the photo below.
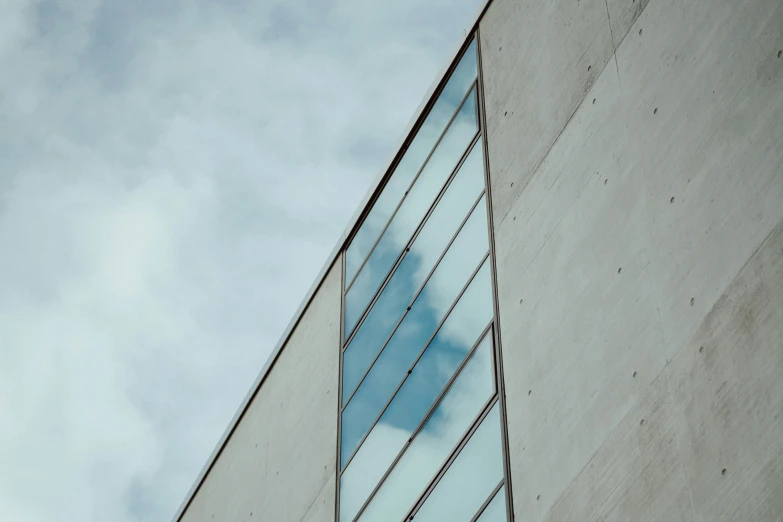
(426, 188)
(435, 235)
(448, 348)
(409, 408)
(496, 509)
(471, 478)
(426, 454)
(411, 162)
(431, 305)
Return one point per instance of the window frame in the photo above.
(493, 328)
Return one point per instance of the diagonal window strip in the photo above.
(470, 478)
(406, 379)
(433, 302)
(414, 208)
(460, 115)
(430, 131)
(495, 508)
(408, 276)
(425, 450)
(433, 236)
(430, 245)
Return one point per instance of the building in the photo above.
(563, 298)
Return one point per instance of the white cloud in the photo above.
(172, 176)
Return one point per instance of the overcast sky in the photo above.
(173, 175)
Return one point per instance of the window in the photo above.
(420, 425)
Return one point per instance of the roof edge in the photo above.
(350, 229)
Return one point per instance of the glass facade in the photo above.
(420, 413)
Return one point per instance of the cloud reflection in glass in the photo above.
(461, 79)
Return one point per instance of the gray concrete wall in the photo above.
(636, 157)
(279, 464)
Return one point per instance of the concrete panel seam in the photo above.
(728, 286)
(615, 45)
(609, 496)
(609, 437)
(609, 21)
(680, 350)
(562, 130)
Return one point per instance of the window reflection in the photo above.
(437, 296)
(424, 456)
(470, 479)
(426, 188)
(429, 132)
(443, 355)
(496, 509)
(425, 251)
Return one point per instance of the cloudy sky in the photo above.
(172, 177)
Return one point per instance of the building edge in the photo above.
(353, 224)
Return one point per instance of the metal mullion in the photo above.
(454, 454)
(473, 85)
(426, 345)
(404, 251)
(500, 380)
(435, 403)
(490, 498)
(429, 414)
(410, 242)
(339, 395)
(416, 295)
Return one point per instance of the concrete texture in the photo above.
(638, 209)
(279, 464)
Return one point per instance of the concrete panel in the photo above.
(579, 322)
(279, 464)
(716, 406)
(540, 58)
(322, 509)
(729, 396)
(712, 73)
(603, 278)
(637, 474)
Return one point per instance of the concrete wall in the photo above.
(279, 464)
(636, 158)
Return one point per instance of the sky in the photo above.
(173, 175)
